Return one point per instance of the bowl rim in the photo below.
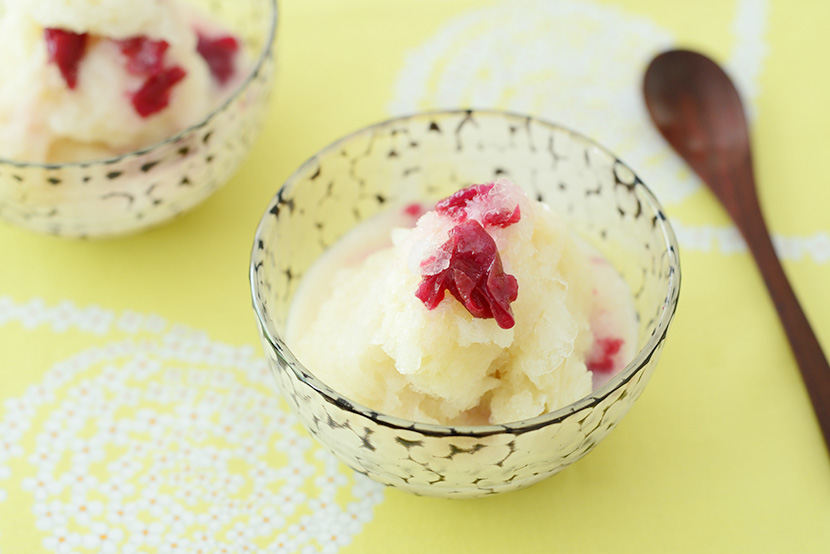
(253, 73)
(331, 396)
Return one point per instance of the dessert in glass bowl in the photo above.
(118, 115)
(602, 218)
(487, 310)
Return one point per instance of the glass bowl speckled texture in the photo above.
(426, 157)
(143, 188)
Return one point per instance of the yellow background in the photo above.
(721, 454)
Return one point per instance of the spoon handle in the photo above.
(812, 362)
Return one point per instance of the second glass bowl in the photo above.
(139, 189)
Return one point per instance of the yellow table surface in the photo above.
(137, 414)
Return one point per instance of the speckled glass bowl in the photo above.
(426, 157)
(139, 189)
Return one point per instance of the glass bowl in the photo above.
(142, 188)
(424, 158)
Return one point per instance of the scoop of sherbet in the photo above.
(108, 106)
(112, 18)
(376, 342)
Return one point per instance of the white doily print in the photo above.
(163, 440)
(580, 63)
(577, 63)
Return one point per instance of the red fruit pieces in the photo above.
(414, 210)
(65, 49)
(602, 355)
(474, 276)
(468, 264)
(144, 56)
(481, 202)
(455, 205)
(154, 94)
(502, 217)
(219, 53)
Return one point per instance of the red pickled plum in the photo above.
(219, 53)
(144, 56)
(65, 50)
(474, 275)
(154, 94)
(414, 210)
(502, 217)
(455, 205)
(603, 354)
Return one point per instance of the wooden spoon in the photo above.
(698, 110)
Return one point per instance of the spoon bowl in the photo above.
(699, 111)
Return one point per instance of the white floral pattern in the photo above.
(163, 440)
(542, 66)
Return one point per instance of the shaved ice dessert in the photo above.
(485, 309)
(89, 79)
